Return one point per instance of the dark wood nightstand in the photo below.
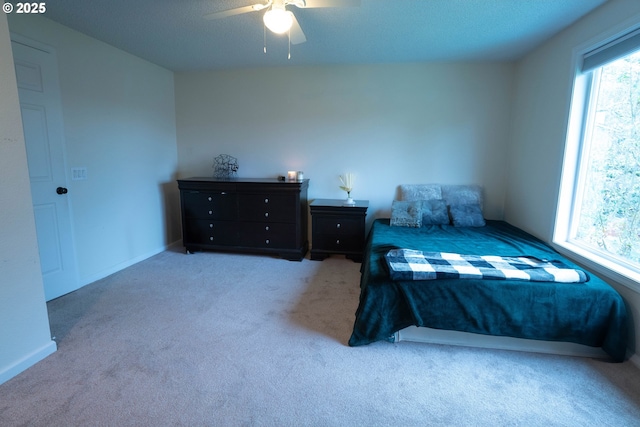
(337, 228)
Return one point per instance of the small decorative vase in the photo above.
(349, 200)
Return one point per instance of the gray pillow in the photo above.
(411, 192)
(467, 215)
(462, 194)
(434, 212)
(406, 214)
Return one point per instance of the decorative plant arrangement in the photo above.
(347, 185)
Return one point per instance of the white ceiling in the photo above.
(174, 34)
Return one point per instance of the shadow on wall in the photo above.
(171, 210)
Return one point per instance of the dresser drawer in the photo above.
(339, 226)
(267, 207)
(211, 205)
(267, 235)
(207, 232)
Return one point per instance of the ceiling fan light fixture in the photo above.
(278, 20)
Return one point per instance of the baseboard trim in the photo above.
(28, 361)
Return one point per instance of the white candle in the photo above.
(292, 175)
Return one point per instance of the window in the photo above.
(599, 208)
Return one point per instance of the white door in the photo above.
(39, 92)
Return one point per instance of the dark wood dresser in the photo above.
(245, 215)
(337, 228)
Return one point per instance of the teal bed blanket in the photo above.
(590, 313)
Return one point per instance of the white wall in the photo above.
(388, 124)
(24, 325)
(544, 81)
(119, 120)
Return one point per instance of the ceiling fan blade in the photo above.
(326, 3)
(236, 11)
(296, 33)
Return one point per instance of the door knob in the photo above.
(61, 190)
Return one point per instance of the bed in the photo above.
(587, 318)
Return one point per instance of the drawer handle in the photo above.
(338, 242)
(266, 200)
(338, 225)
(267, 241)
(210, 225)
(266, 214)
(267, 228)
(223, 192)
(210, 198)
(211, 238)
(210, 212)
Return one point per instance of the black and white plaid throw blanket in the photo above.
(409, 264)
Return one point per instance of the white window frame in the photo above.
(584, 84)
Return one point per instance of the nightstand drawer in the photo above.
(341, 226)
(337, 243)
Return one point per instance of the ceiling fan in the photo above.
(280, 20)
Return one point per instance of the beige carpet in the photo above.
(214, 339)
